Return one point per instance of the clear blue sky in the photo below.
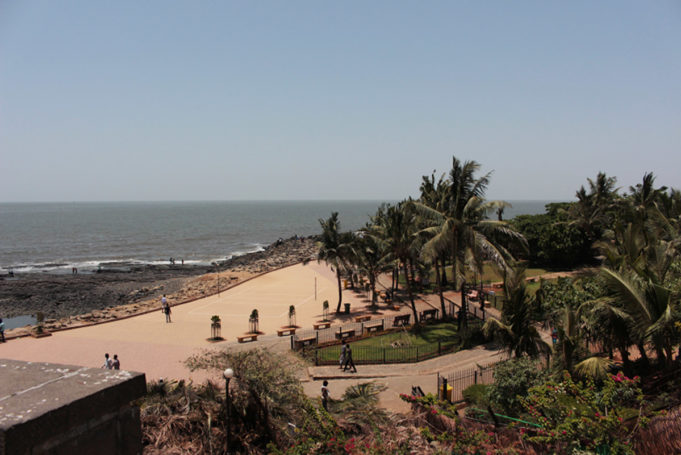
(164, 100)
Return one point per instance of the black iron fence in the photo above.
(330, 355)
(450, 387)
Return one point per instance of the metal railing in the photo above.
(462, 379)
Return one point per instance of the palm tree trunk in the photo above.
(340, 290)
(443, 280)
(411, 296)
(439, 290)
(644, 355)
(372, 285)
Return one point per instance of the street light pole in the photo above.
(228, 375)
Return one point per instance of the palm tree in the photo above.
(460, 225)
(396, 227)
(517, 328)
(333, 249)
(592, 212)
(371, 256)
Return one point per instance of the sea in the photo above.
(55, 237)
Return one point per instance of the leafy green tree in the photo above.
(512, 380)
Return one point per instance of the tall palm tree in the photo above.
(517, 328)
(460, 226)
(371, 256)
(333, 249)
(397, 228)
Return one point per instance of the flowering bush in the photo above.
(577, 416)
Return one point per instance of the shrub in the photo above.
(512, 379)
(476, 395)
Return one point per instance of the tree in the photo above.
(460, 225)
(517, 328)
(333, 249)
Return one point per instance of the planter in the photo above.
(42, 334)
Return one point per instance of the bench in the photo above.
(374, 326)
(345, 334)
(401, 320)
(428, 315)
(306, 341)
(249, 337)
(363, 318)
(321, 325)
(286, 331)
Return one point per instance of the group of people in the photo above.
(111, 364)
(345, 360)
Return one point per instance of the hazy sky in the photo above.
(164, 100)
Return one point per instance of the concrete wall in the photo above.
(61, 409)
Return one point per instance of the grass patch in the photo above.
(398, 346)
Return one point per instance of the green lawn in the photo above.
(412, 346)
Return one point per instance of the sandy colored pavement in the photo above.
(148, 344)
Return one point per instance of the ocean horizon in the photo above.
(53, 237)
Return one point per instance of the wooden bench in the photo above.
(345, 334)
(428, 315)
(249, 337)
(363, 318)
(376, 326)
(401, 320)
(306, 341)
(286, 331)
(321, 325)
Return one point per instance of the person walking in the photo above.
(116, 363)
(108, 363)
(341, 360)
(348, 360)
(2, 331)
(165, 308)
(325, 395)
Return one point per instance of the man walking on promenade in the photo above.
(348, 360)
(165, 308)
(116, 363)
(2, 330)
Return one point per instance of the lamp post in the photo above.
(217, 267)
(228, 375)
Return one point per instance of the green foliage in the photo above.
(215, 318)
(578, 416)
(551, 240)
(512, 380)
(477, 395)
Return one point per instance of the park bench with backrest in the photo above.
(401, 320)
(286, 331)
(247, 337)
(362, 318)
(429, 315)
(321, 325)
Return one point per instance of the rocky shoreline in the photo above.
(72, 300)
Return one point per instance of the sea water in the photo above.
(54, 237)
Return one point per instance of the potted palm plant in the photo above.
(292, 316)
(215, 328)
(253, 321)
(325, 311)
